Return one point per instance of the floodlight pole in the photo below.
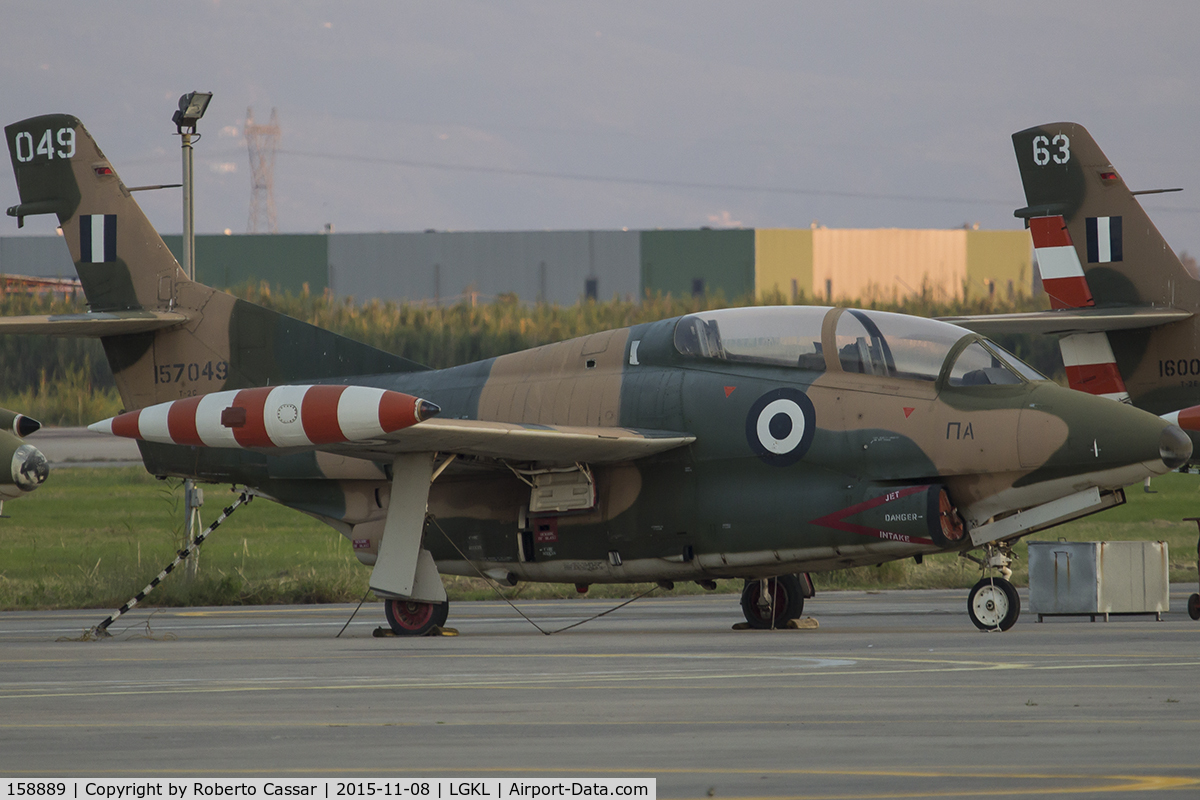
(189, 214)
(191, 513)
(185, 120)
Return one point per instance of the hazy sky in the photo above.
(455, 115)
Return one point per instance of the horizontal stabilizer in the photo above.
(1075, 320)
(102, 323)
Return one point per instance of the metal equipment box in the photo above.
(1094, 578)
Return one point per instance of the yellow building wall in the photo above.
(999, 259)
(783, 263)
(889, 263)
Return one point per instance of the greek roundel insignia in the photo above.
(780, 426)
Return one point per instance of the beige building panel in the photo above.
(1000, 261)
(886, 263)
(783, 263)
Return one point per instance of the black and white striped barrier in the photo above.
(101, 630)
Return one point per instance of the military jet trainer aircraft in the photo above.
(1123, 304)
(755, 443)
(27, 467)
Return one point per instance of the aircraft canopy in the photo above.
(868, 342)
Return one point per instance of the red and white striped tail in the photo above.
(1091, 366)
(1062, 273)
(273, 416)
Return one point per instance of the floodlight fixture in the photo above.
(191, 108)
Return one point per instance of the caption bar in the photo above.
(416, 788)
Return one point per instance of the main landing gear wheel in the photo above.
(783, 600)
(413, 618)
(1194, 606)
(993, 605)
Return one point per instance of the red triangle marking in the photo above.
(908, 412)
(729, 390)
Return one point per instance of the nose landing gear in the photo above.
(993, 604)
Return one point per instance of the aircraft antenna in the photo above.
(262, 141)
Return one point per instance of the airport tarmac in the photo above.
(79, 447)
(894, 695)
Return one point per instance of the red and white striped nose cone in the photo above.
(273, 416)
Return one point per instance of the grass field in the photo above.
(92, 538)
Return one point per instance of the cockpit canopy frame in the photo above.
(848, 340)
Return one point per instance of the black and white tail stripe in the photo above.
(97, 238)
(102, 628)
(1103, 240)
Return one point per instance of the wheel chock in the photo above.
(381, 632)
(808, 623)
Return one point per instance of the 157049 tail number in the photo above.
(176, 373)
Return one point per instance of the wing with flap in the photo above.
(558, 444)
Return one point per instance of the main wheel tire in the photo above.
(413, 618)
(787, 596)
(1194, 606)
(993, 604)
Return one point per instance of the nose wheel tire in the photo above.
(413, 618)
(993, 605)
(783, 600)
(1194, 606)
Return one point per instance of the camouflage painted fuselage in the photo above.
(716, 507)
